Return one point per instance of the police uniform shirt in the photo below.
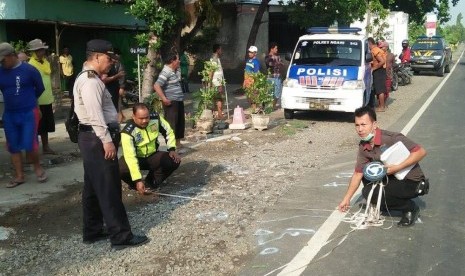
(93, 104)
(382, 141)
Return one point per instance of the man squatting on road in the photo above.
(139, 140)
(98, 141)
(398, 194)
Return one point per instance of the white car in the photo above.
(329, 70)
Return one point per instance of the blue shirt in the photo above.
(21, 86)
(252, 65)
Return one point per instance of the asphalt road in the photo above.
(434, 246)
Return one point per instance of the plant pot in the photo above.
(205, 122)
(260, 121)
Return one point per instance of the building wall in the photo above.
(72, 11)
(233, 35)
(74, 22)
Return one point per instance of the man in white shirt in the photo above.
(217, 78)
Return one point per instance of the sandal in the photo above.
(42, 178)
(14, 182)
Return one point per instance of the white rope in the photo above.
(372, 216)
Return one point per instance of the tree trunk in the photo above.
(256, 24)
(149, 75)
(150, 71)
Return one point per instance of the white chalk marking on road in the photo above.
(318, 240)
(300, 262)
(335, 184)
(183, 197)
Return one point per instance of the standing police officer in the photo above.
(98, 141)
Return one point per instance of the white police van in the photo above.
(329, 70)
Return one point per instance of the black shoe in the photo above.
(409, 218)
(135, 241)
(423, 187)
(99, 237)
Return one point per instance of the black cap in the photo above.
(101, 46)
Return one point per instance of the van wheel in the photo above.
(288, 114)
(441, 71)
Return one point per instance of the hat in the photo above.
(36, 44)
(253, 49)
(101, 46)
(5, 49)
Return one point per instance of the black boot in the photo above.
(409, 217)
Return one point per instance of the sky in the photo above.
(454, 11)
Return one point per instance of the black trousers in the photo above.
(398, 194)
(101, 197)
(159, 164)
(174, 114)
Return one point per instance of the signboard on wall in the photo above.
(430, 24)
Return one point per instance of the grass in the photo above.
(292, 127)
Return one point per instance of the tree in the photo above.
(307, 13)
(454, 33)
(417, 9)
(164, 21)
(256, 24)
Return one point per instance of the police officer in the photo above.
(139, 140)
(397, 194)
(98, 141)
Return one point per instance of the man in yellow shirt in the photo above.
(47, 122)
(67, 70)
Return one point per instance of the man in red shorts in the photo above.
(21, 85)
(379, 73)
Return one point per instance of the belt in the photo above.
(85, 128)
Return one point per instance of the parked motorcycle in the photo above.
(131, 95)
(403, 73)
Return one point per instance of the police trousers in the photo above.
(159, 164)
(101, 196)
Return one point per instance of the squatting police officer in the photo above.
(139, 140)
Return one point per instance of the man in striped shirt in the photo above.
(168, 88)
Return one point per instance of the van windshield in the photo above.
(328, 52)
(427, 44)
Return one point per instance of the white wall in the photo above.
(394, 34)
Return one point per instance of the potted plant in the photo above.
(260, 95)
(154, 103)
(204, 98)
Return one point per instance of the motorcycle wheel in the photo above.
(400, 80)
(409, 79)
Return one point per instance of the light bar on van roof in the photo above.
(333, 30)
(424, 36)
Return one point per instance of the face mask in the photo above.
(368, 137)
